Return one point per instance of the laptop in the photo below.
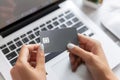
(112, 24)
(110, 17)
(21, 21)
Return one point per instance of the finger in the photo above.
(14, 74)
(40, 63)
(32, 60)
(82, 46)
(75, 65)
(25, 52)
(86, 40)
(33, 56)
(78, 51)
(33, 47)
(72, 61)
(72, 58)
(75, 61)
(33, 64)
(90, 44)
(83, 39)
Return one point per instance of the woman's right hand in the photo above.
(30, 64)
(92, 54)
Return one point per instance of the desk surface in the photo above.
(93, 14)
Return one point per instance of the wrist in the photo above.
(111, 76)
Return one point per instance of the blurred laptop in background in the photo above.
(110, 16)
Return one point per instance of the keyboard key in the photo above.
(29, 32)
(44, 29)
(32, 42)
(19, 43)
(37, 33)
(3, 46)
(91, 34)
(61, 15)
(50, 26)
(55, 23)
(63, 26)
(84, 34)
(11, 55)
(16, 39)
(69, 23)
(67, 12)
(32, 36)
(75, 19)
(54, 19)
(5, 51)
(62, 20)
(51, 56)
(22, 36)
(12, 47)
(79, 24)
(48, 22)
(9, 43)
(25, 40)
(83, 29)
(35, 29)
(13, 61)
(42, 25)
(38, 40)
(18, 50)
(70, 16)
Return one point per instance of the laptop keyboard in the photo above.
(64, 20)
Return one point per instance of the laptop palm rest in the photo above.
(63, 70)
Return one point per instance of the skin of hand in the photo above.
(91, 53)
(30, 64)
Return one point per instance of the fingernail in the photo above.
(70, 46)
(41, 46)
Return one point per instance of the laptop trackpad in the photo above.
(63, 70)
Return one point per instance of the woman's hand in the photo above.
(91, 53)
(30, 64)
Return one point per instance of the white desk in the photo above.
(93, 14)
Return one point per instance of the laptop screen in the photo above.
(13, 10)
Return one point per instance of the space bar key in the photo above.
(51, 56)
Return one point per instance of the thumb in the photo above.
(76, 50)
(40, 63)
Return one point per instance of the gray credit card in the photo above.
(57, 40)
